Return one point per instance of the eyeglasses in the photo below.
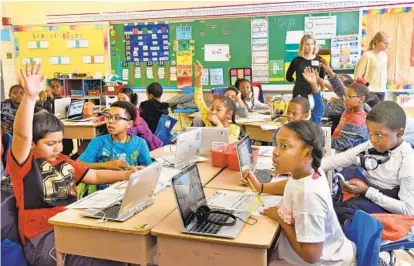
(115, 118)
(347, 97)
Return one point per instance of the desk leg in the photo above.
(178, 252)
(60, 259)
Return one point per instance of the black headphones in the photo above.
(369, 162)
(204, 211)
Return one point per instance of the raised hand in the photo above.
(33, 81)
(327, 68)
(309, 76)
(198, 69)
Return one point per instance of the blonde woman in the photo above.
(373, 65)
(308, 57)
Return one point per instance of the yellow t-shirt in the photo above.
(234, 130)
(373, 68)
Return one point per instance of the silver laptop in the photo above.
(61, 107)
(189, 194)
(138, 196)
(75, 112)
(263, 173)
(210, 135)
(187, 149)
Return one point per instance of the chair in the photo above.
(180, 111)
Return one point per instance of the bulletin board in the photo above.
(64, 48)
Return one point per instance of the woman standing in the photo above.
(373, 65)
(308, 57)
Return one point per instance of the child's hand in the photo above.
(116, 165)
(214, 119)
(333, 100)
(272, 212)
(354, 187)
(309, 76)
(33, 82)
(198, 69)
(269, 100)
(320, 81)
(327, 68)
(131, 170)
(42, 96)
(249, 175)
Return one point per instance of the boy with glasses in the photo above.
(117, 150)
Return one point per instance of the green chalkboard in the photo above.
(236, 32)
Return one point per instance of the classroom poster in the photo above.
(321, 27)
(216, 52)
(260, 50)
(183, 32)
(216, 76)
(204, 77)
(345, 51)
(49, 44)
(276, 70)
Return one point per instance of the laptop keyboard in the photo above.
(110, 212)
(263, 175)
(210, 228)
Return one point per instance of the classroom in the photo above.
(207, 133)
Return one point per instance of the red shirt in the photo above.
(42, 190)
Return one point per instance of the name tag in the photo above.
(315, 63)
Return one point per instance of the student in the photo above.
(55, 91)
(390, 187)
(235, 95)
(35, 162)
(249, 97)
(372, 66)
(311, 233)
(308, 57)
(222, 110)
(9, 107)
(117, 150)
(140, 127)
(299, 107)
(152, 109)
(351, 129)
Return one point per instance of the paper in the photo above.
(161, 72)
(173, 73)
(260, 50)
(137, 74)
(216, 52)
(54, 60)
(270, 126)
(164, 180)
(32, 45)
(183, 32)
(184, 58)
(276, 70)
(150, 73)
(25, 61)
(5, 35)
(294, 37)
(345, 51)
(65, 60)
(125, 74)
(266, 151)
(204, 77)
(83, 44)
(86, 59)
(44, 44)
(216, 76)
(70, 43)
(37, 60)
(98, 59)
(243, 201)
(321, 27)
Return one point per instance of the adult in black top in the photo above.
(308, 57)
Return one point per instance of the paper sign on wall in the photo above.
(125, 74)
(204, 77)
(184, 58)
(161, 72)
(137, 72)
(216, 52)
(216, 76)
(98, 59)
(323, 27)
(86, 59)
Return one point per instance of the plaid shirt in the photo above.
(8, 113)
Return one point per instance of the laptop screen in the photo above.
(189, 193)
(244, 153)
(75, 108)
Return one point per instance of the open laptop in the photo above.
(75, 112)
(210, 135)
(61, 107)
(263, 172)
(138, 196)
(187, 149)
(189, 194)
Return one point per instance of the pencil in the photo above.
(255, 191)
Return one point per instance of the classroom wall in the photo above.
(35, 12)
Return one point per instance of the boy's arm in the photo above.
(96, 177)
(198, 94)
(23, 123)
(336, 83)
(351, 135)
(319, 108)
(343, 159)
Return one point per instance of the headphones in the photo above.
(204, 211)
(369, 162)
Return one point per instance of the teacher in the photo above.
(372, 66)
(308, 57)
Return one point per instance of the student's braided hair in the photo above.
(238, 83)
(313, 136)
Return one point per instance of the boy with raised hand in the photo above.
(44, 181)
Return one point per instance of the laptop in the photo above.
(138, 196)
(187, 149)
(189, 194)
(61, 107)
(75, 112)
(263, 172)
(210, 135)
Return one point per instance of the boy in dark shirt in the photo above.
(152, 109)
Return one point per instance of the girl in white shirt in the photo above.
(311, 233)
(249, 96)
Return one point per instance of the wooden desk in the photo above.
(228, 180)
(112, 240)
(249, 248)
(255, 131)
(82, 130)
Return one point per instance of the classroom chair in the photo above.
(187, 111)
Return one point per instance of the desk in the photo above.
(228, 180)
(112, 240)
(249, 248)
(82, 130)
(255, 131)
